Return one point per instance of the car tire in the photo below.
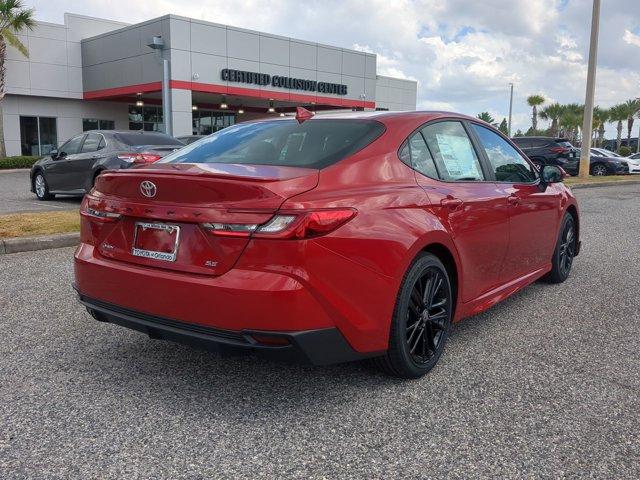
(599, 170)
(421, 320)
(564, 252)
(41, 187)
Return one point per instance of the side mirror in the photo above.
(551, 174)
(54, 153)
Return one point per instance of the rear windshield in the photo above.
(315, 143)
(137, 139)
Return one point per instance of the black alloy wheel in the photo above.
(421, 320)
(427, 315)
(565, 251)
(567, 248)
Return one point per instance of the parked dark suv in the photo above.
(73, 168)
(547, 150)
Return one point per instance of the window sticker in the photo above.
(458, 156)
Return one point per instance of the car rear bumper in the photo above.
(317, 347)
(241, 301)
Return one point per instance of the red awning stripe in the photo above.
(227, 90)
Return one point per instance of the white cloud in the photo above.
(631, 38)
(463, 53)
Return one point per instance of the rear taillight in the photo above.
(559, 150)
(144, 157)
(287, 225)
(100, 215)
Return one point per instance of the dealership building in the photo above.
(93, 73)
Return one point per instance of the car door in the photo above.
(82, 165)
(59, 172)
(534, 212)
(472, 209)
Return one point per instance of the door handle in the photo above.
(451, 203)
(514, 199)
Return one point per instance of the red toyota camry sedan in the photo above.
(325, 239)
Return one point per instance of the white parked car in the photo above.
(634, 165)
(633, 161)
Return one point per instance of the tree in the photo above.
(632, 107)
(618, 113)
(13, 19)
(486, 117)
(571, 120)
(504, 128)
(600, 117)
(534, 101)
(553, 112)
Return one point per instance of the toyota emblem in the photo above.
(148, 189)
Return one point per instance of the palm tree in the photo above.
(553, 112)
(632, 107)
(486, 117)
(571, 120)
(618, 113)
(534, 101)
(504, 127)
(14, 18)
(600, 117)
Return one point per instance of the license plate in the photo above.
(157, 241)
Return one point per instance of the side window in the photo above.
(452, 151)
(421, 158)
(405, 154)
(507, 164)
(91, 143)
(72, 146)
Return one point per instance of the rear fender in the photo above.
(438, 237)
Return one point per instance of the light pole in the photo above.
(510, 108)
(587, 122)
(157, 43)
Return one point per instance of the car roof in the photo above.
(382, 115)
(555, 139)
(125, 132)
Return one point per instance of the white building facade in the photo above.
(98, 74)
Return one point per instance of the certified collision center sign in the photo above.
(263, 79)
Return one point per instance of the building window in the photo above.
(147, 118)
(206, 122)
(96, 124)
(38, 135)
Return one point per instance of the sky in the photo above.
(463, 53)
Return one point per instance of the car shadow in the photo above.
(245, 385)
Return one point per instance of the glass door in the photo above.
(38, 135)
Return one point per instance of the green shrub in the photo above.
(17, 162)
(624, 151)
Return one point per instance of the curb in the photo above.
(28, 244)
(604, 184)
(14, 170)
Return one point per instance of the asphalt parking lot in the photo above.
(15, 195)
(546, 384)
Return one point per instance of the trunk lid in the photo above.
(186, 196)
(160, 150)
